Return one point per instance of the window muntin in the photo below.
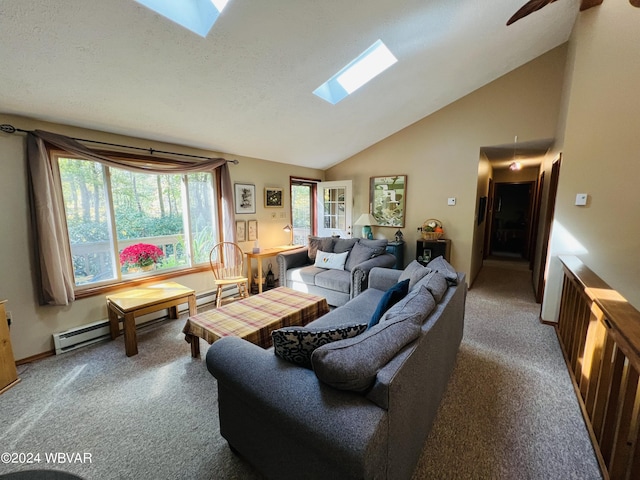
(177, 213)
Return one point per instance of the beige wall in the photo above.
(440, 153)
(601, 153)
(33, 325)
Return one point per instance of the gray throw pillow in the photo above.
(353, 364)
(414, 272)
(439, 264)
(418, 305)
(363, 251)
(296, 344)
(436, 283)
(378, 245)
(341, 245)
(319, 243)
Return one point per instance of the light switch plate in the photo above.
(451, 201)
(581, 199)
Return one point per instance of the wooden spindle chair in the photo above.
(227, 264)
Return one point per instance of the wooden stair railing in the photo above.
(599, 332)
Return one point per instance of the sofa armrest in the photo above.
(291, 259)
(360, 273)
(383, 278)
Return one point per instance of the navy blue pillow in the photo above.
(388, 300)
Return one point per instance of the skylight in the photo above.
(369, 64)
(195, 15)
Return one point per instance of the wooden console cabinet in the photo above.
(397, 250)
(8, 371)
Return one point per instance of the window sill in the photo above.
(102, 289)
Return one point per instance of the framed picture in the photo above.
(252, 230)
(482, 208)
(245, 198)
(272, 197)
(426, 256)
(387, 198)
(241, 231)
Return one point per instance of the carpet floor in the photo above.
(509, 412)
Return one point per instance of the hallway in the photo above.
(510, 410)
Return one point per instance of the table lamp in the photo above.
(367, 221)
(289, 229)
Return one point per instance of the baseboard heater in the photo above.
(88, 334)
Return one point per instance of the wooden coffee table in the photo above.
(129, 304)
(254, 318)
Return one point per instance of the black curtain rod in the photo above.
(6, 128)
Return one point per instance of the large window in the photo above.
(108, 210)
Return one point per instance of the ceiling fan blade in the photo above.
(530, 7)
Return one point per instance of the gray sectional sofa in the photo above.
(365, 408)
(299, 270)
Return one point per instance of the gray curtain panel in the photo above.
(53, 250)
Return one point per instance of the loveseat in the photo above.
(345, 271)
(365, 407)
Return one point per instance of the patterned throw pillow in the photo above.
(296, 344)
(330, 260)
(319, 243)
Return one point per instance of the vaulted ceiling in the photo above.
(246, 88)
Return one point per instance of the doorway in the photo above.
(303, 209)
(511, 220)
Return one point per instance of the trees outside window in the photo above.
(109, 209)
(302, 209)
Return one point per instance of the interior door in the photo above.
(333, 215)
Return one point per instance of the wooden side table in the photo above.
(135, 302)
(427, 250)
(8, 371)
(264, 253)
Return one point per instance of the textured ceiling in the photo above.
(245, 89)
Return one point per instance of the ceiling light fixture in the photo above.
(515, 166)
(195, 15)
(369, 64)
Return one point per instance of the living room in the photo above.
(580, 94)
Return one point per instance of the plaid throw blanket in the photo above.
(254, 318)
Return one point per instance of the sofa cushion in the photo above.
(418, 304)
(436, 283)
(305, 275)
(296, 344)
(341, 245)
(338, 280)
(319, 243)
(328, 260)
(439, 264)
(414, 272)
(357, 310)
(352, 364)
(388, 300)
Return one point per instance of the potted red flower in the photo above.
(141, 256)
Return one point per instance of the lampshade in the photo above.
(366, 219)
